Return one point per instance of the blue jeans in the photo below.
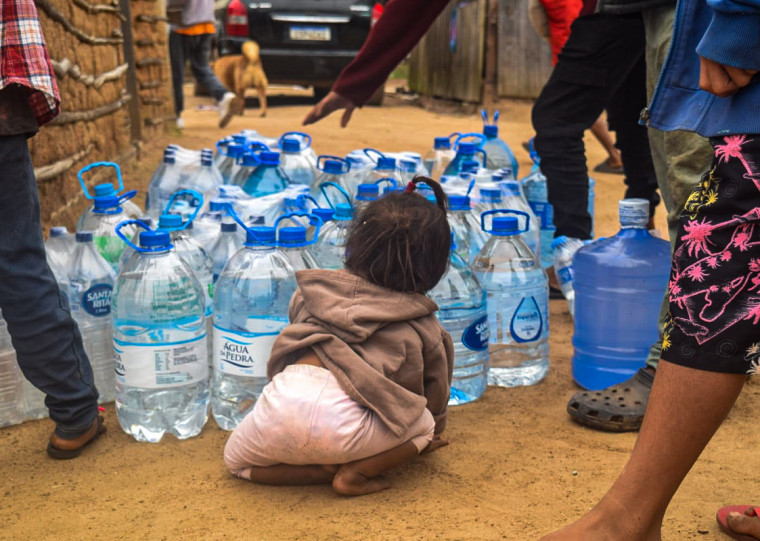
(47, 340)
(197, 50)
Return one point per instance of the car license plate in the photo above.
(310, 33)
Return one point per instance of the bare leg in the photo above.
(602, 134)
(686, 407)
(287, 474)
(262, 91)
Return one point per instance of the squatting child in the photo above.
(359, 380)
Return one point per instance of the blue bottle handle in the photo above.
(504, 211)
(303, 198)
(479, 136)
(346, 164)
(299, 133)
(368, 151)
(93, 165)
(139, 249)
(323, 189)
(456, 133)
(533, 154)
(231, 211)
(221, 145)
(195, 197)
(390, 180)
(313, 220)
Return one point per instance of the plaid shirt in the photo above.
(24, 59)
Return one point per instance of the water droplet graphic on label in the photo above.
(527, 323)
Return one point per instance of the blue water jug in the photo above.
(619, 282)
(250, 309)
(159, 342)
(295, 164)
(266, 178)
(462, 312)
(330, 249)
(498, 152)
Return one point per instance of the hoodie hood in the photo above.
(354, 309)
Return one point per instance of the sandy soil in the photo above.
(516, 468)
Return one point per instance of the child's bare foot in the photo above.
(351, 482)
(436, 443)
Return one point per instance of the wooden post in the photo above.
(490, 76)
(129, 57)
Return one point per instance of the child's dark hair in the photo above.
(401, 241)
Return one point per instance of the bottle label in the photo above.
(527, 321)
(475, 336)
(565, 275)
(545, 214)
(239, 353)
(158, 366)
(96, 301)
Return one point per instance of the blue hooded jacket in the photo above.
(724, 31)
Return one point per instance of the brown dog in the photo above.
(238, 72)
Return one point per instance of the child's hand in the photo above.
(722, 80)
(435, 444)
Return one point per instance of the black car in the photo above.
(302, 42)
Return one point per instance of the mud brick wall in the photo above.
(86, 45)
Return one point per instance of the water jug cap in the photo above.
(207, 161)
(169, 156)
(559, 241)
(491, 194)
(104, 190)
(58, 231)
(207, 151)
(106, 202)
(240, 138)
(292, 235)
(512, 187)
(260, 236)
(325, 214)
(343, 211)
(633, 213)
(384, 162)
(155, 239)
(249, 159)
(84, 236)
(365, 191)
(228, 227)
(235, 149)
(408, 165)
(505, 225)
(467, 148)
(333, 167)
(491, 130)
(506, 171)
(459, 202)
(470, 166)
(497, 177)
(269, 158)
(170, 221)
(216, 205)
(442, 143)
(291, 144)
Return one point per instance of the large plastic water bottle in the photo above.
(518, 301)
(91, 282)
(207, 177)
(331, 169)
(107, 212)
(619, 283)
(167, 179)
(159, 343)
(330, 249)
(224, 247)
(462, 312)
(292, 240)
(304, 144)
(498, 152)
(438, 158)
(462, 222)
(564, 249)
(365, 194)
(250, 309)
(359, 165)
(207, 226)
(465, 151)
(59, 248)
(407, 169)
(227, 161)
(513, 198)
(267, 178)
(385, 167)
(11, 381)
(107, 189)
(295, 165)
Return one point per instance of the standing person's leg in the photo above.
(177, 60)
(199, 54)
(613, 163)
(599, 54)
(47, 341)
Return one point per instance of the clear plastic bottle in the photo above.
(330, 249)
(489, 199)
(266, 178)
(207, 177)
(227, 161)
(91, 282)
(563, 249)
(224, 247)
(619, 282)
(304, 145)
(207, 226)
(465, 151)
(462, 312)
(359, 165)
(11, 381)
(250, 310)
(513, 198)
(518, 301)
(461, 222)
(293, 243)
(365, 194)
(331, 169)
(59, 248)
(498, 152)
(167, 179)
(296, 165)
(384, 168)
(160, 344)
(130, 252)
(438, 158)
(131, 210)
(407, 170)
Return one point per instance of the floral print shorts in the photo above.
(714, 320)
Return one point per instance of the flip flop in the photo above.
(605, 167)
(722, 518)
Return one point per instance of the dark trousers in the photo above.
(47, 340)
(600, 67)
(196, 50)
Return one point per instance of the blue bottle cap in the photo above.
(105, 203)
(216, 205)
(169, 156)
(207, 161)
(497, 177)
(459, 202)
(442, 143)
(332, 167)
(367, 191)
(250, 159)
(292, 235)
(467, 148)
(384, 162)
(269, 158)
(170, 221)
(470, 166)
(229, 227)
(512, 187)
(58, 231)
(491, 194)
(408, 166)
(207, 151)
(260, 236)
(84, 236)
(240, 138)
(491, 130)
(325, 214)
(343, 211)
(155, 239)
(291, 144)
(505, 225)
(235, 149)
(104, 190)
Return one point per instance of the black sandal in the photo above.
(619, 408)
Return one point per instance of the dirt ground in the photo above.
(517, 467)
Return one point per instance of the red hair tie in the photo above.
(410, 187)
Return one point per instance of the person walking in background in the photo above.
(191, 33)
(47, 341)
